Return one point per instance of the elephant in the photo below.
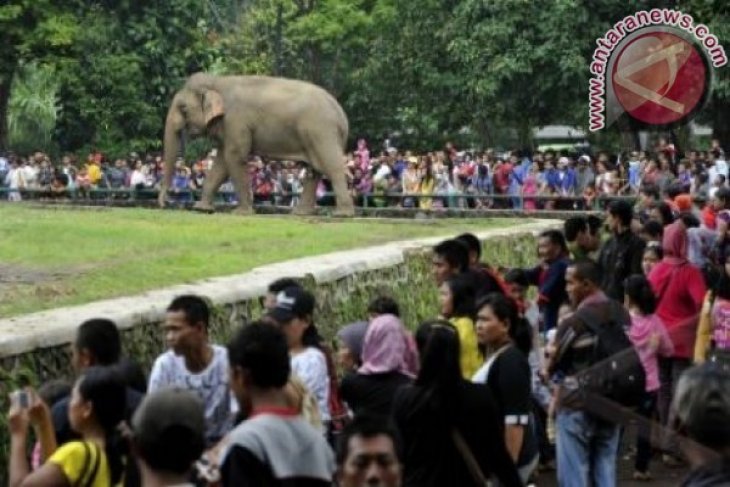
(279, 118)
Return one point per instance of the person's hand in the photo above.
(18, 420)
(38, 411)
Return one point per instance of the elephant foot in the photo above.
(303, 210)
(203, 207)
(344, 212)
(243, 211)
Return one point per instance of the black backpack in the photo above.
(616, 372)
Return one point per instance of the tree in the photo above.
(32, 29)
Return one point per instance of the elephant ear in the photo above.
(212, 106)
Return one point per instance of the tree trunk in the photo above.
(6, 81)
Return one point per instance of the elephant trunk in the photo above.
(172, 144)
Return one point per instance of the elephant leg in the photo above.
(327, 157)
(308, 198)
(236, 157)
(213, 180)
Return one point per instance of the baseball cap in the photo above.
(167, 415)
(702, 404)
(292, 302)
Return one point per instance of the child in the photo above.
(652, 255)
(650, 338)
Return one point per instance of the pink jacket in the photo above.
(650, 338)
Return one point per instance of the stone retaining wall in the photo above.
(34, 348)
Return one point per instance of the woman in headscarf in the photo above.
(680, 290)
(349, 345)
(389, 361)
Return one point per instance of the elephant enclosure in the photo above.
(56, 257)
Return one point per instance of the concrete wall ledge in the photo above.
(58, 326)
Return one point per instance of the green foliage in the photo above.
(422, 72)
(33, 107)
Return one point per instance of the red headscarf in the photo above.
(674, 244)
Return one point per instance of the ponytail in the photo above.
(505, 310)
(640, 293)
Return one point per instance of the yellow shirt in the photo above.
(470, 358)
(72, 458)
(94, 172)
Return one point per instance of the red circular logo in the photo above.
(659, 78)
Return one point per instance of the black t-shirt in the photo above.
(483, 281)
(509, 380)
(371, 393)
(431, 458)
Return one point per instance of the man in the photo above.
(586, 446)
(582, 236)
(702, 407)
(193, 363)
(485, 279)
(97, 344)
(168, 436)
(622, 254)
(369, 454)
(549, 276)
(275, 446)
(450, 258)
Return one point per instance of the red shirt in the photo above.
(680, 291)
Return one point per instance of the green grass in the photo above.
(55, 257)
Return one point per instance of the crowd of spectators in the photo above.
(390, 177)
(631, 320)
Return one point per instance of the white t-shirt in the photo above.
(310, 366)
(211, 385)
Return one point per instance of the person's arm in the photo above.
(637, 257)
(40, 416)
(704, 331)
(157, 376)
(514, 395)
(18, 462)
(496, 460)
(554, 280)
(241, 468)
(696, 287)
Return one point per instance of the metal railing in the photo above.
(372, 200)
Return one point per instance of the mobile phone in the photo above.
(22, 398)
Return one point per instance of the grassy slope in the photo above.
(84, 255)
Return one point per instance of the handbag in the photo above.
(471, 463)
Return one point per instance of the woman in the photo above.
(349, 345)
(456, 297)
(97, 407)
(439, 410)
(293, 313)
(650, 339)
(384, 370)
(427, 186)
(652, 256)
(680, 291)
(713, 334)
(508, 339)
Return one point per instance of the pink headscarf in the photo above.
(674, 244)
(388, 347)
